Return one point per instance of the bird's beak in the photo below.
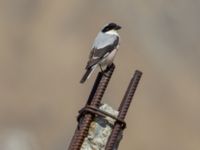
(118, 27)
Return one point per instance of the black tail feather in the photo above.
(85, 76)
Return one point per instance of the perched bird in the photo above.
(103, 50)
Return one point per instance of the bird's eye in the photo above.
(107, 29)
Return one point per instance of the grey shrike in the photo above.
(103, 50)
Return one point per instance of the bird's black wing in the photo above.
(97, 54)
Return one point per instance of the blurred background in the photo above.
(44, 47)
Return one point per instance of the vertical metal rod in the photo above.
(96, 96)
(93, 91)
(123, 109)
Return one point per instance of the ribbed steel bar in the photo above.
(111, 143)
(93, 91)
(94, 100)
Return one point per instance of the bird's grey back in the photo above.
(102, 40)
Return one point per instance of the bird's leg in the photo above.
(101, 68)
(102, 71)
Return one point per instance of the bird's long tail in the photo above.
(87, 74)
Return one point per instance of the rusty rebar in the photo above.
(112, 141)
(93, 100)
(93, 91)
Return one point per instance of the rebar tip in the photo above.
(138, 72)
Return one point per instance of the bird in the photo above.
(103, 50)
